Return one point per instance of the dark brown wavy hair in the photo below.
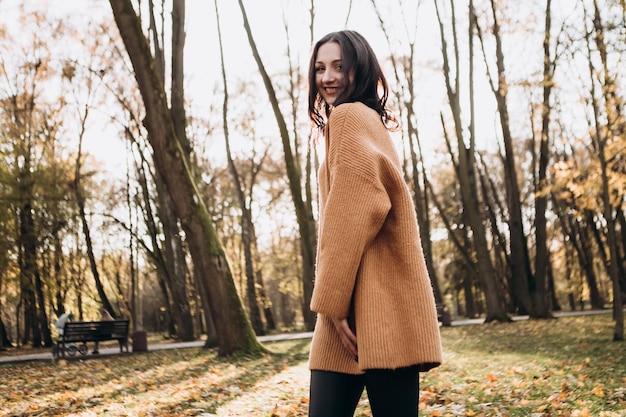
(369, 85)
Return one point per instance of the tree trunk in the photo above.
(494, 208)
(602, 138)
(135, 322)
(174, 252)
(234, 332)
(304, 215)
(42, 315)
(60, 286)
(253, 303)
(407, 96)
(467, 175)
(541, 303)
(5, 341)
(244, 204)
(554, 301)
(265, 301)
(421, 199)
(586, 259)
(580, 241)
(521, 274)
(4, 336)
(28, 265)
(80, 201)
(174, 263)
(181, 319)
(156, 253)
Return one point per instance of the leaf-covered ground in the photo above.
(567, 367)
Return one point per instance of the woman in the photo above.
(377, 322)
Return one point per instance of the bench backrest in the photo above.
(78, 329)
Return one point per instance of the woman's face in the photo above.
(329, 78)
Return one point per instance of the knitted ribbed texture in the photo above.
(370, 263)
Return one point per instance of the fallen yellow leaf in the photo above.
(598, 391)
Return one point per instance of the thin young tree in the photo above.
(404, 70)
(25, 117)
(303, 208)
(80, 201)
(7, 244)
(521, 274)
(605, 140)
(244, 203)
(541, 304)
(234, 332)
(574, 225)
(466, 159)
(173, 245)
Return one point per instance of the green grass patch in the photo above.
(563, 367)
(567, 367)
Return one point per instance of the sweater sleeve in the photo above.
(352, 213)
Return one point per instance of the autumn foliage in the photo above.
(564, 367)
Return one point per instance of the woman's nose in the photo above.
(328, 75)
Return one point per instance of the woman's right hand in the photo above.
(348, 338)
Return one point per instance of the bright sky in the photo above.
(203, 70)
(266, 18)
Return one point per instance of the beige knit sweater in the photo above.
(370, 263)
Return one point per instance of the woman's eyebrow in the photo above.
(332, 62)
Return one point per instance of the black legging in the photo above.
(392, 393)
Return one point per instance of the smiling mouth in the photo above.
(331, 90)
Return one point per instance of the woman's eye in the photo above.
(319, 69)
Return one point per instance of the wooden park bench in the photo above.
(92, 331)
